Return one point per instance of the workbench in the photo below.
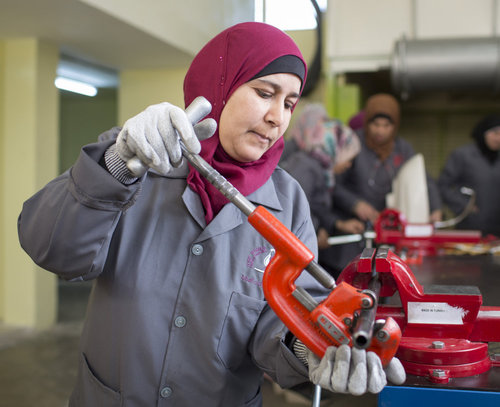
(482, 390)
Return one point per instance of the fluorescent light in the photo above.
(75, 86)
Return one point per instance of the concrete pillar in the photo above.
(29, 110)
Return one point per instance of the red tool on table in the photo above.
(414, 240)
(445, 329)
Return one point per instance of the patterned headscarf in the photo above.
(327, 140)
(229, 60)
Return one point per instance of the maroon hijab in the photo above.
(229, 60)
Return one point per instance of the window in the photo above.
(288, 14)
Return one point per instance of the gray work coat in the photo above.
(466, 166)
(177, 315)
(312, 178)
(370, 180)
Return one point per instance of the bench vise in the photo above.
(445, 329)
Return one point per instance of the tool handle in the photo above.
(198, 109)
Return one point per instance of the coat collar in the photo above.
(230, 216)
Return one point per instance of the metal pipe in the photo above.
(362, 331)
(457, 64)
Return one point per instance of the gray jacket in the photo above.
(467, 166)
(370, 179)
(177, 316)
(312, 178)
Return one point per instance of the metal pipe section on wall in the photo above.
(458, 64)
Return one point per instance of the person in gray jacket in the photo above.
(476, 166)
(320, 148)
(361, 190)
(177, 316)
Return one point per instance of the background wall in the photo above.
(360, 47)
(2, 187)
(82, 119)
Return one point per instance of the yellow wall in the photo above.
(82, 119)
(28, 160)
(141, 88)
(2, 192)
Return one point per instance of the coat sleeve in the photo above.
(449, 182)
(434, 195)
(67, 226)
(312, 179)
(344, 199)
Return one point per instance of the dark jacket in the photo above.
(467, 166)
(370, 180)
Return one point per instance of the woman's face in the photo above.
(257, 115)
(492, 138)
(380, 130)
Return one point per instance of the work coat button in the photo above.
(166, 392)
(180, 322)
(197, 249)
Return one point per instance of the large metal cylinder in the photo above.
(459, 64)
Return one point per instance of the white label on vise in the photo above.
(416, 230)
(435, 313)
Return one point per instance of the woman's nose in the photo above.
(275, 114)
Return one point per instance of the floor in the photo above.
(39, 368)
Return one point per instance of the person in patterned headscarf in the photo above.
(476, 166)
(177, 314)
(322, 148)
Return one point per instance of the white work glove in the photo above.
(352, 370)
(153, 136)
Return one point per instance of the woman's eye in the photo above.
(264, 94)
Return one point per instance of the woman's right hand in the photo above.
(153, 136)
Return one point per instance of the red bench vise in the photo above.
(445, 329)
(414, 240)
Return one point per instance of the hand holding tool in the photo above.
(153, 137)
(353, 370)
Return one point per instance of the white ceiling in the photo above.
(85, 33)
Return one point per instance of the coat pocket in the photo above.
(242, 315)
(90, 391)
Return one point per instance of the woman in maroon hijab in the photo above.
(177, 315)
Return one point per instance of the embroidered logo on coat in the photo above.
(257, 261)
(259, 258)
